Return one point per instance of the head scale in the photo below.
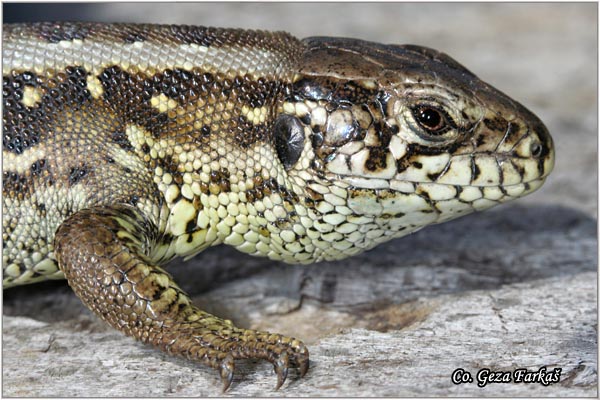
(410, 135)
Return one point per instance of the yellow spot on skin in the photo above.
(368, 84)
(167, 179)
(136, 134)
(289, 108)
(255, 115)
(95, 87)
(166, 299)
(187, 192)
(20, 163)
(171, 193)
(31, 96)
(162, 103)
(162, 280)
(181, 214)
(318, 116)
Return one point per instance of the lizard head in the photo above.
(405, 135)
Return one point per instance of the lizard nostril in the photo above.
(537, 149)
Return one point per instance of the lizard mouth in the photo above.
(368, 167)
(428, 201)
(445, 191)
(501, 172)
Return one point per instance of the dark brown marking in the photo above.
(425, 195)
(133, 33)
(121, 140)
(479, 140)
(76, 174)
(56, 32)
(513, 132)
(316, 140)
(433, 176)
(190, 226)
(25, 127)
(221, 179)
(377, 159)
(416, 149)
(288, 196)
(353, 92)
(20, 125)
(475, 171)
(169, 165)
(129, 95)
(196, 34)
(254, 93)
(497, 124)
(518, 168)
(305, 119)
(385, 132)
(314, 196)
(246, 133)
(38, 166)
(15, 185)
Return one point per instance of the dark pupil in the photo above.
(429, 118)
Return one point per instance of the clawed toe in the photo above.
(226, 371)
(300, 358)
(303, 364)
(281, 366)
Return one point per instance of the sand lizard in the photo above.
(127, 145)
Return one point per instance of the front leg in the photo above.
(102, 254)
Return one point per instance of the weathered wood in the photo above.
(395, 321)
(527, 325)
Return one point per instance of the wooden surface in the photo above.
(515, 287)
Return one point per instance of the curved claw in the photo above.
(302, 360)
(303, 364)
(226, 370)
(281, 368)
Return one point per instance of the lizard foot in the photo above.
(221, 344)
(101, 252)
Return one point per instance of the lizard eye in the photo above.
(289, 139)
(432, 120)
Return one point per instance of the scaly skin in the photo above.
(125, 146)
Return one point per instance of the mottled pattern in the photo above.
(127, 145)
